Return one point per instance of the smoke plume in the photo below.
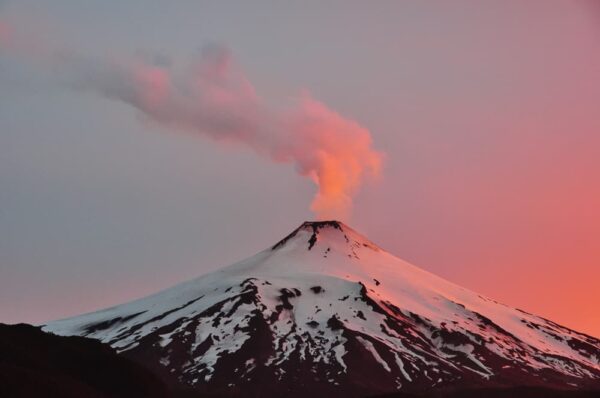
(211, 97)
(5, 34)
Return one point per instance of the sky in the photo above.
(478, 154)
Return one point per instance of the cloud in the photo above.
(211, 96)
(6, 32)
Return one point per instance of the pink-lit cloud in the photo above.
(212, 97)
(6, 32)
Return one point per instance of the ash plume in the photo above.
(212, 97)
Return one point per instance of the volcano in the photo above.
(326, 311)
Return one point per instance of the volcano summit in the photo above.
(326, 311)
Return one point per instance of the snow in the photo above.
(339, 262)
(401, 367)
(371, 348)
(468, 350)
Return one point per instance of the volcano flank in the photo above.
(326, 311)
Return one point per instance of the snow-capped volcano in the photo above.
(327, 311)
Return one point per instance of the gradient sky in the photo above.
(488, 113)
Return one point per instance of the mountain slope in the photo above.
(38, 364)
(327, 311)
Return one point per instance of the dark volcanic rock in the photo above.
(506, 392)
(327, 313)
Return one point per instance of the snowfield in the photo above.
(326, 310)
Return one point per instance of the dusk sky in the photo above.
(465, 139)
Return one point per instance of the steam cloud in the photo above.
(5, 34)
(212, 97)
